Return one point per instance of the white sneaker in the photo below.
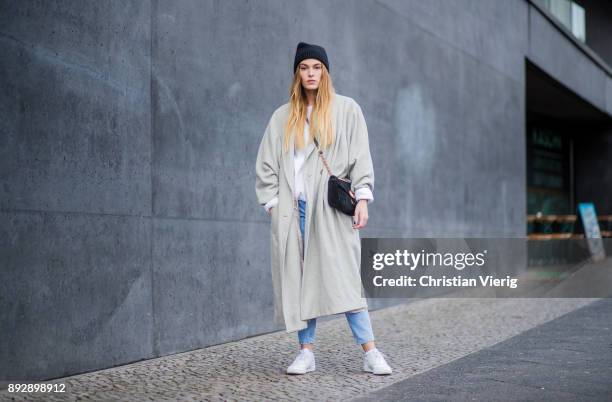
(303, 363)
(374, 362)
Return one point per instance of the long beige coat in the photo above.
(330, 282)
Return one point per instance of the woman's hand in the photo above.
(360, 219)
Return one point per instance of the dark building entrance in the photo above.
(569, 157)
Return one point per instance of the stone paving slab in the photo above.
(416, 337)
(566, 359)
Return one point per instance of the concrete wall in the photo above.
(129, 227)
(75, 223)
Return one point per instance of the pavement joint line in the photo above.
(496, 372)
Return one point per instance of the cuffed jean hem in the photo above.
(307, 335)
(359, 323)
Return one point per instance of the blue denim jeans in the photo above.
(359, 322)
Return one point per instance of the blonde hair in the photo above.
(320, 123)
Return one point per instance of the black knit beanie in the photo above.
(307, 51)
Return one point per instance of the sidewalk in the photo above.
(416, 337)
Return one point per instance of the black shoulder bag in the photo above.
(339, 193)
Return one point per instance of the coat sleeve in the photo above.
(267, 166)
(361, 169)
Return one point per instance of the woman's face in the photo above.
(310, 72)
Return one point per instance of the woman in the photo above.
(316, 249)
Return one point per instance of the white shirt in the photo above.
(299, 156)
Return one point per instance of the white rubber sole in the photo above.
(369, 370)
(309, 369)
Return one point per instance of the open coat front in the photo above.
(330, 282)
